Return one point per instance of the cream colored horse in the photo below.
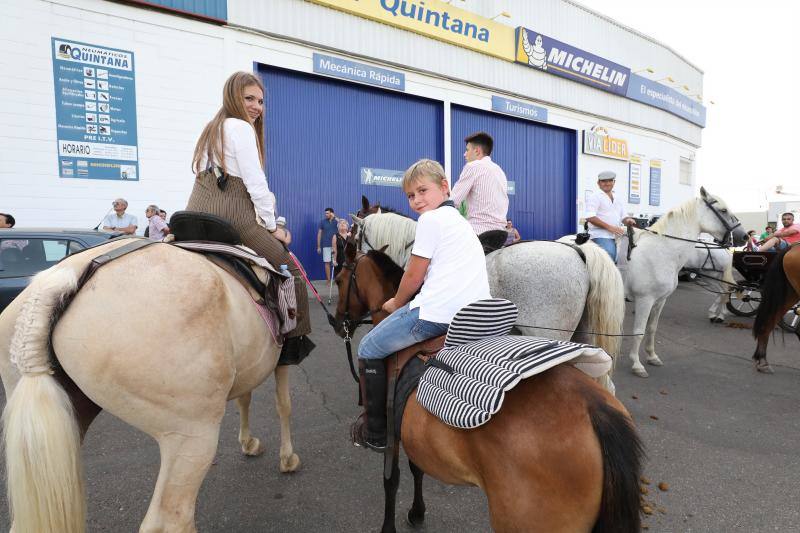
(162, 339)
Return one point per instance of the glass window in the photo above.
(54, 250)
(26, 257)
(686, 171)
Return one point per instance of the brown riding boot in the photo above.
(369, 429)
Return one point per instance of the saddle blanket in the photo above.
(466, 384)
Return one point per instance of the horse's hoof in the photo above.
(641, 372)
(253, 447)
(765, 369)
(718, 320)
(290, 464)
(413, 520)
(655, 361)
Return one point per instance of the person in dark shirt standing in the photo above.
(327, 229)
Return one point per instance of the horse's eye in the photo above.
(723, 210)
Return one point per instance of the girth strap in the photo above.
(116, 253)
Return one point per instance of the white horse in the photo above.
(170, 378)
(660, 253)
(555, 291)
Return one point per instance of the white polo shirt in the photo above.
(456, 275)
(600, 205)
(113, 221)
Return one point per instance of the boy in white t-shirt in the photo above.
(446, 272)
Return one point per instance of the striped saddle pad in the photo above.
(467, 382)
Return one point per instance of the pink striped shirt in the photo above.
(484, 186)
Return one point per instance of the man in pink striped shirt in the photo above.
(484, 186)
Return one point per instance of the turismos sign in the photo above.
(550, 55)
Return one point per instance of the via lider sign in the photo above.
(598, 142)
(95, 96)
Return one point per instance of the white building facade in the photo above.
(356, 92)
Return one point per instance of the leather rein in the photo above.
(349, 324)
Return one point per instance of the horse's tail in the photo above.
(623, 453)
(605, 304)
(42, 438)
(773, 296)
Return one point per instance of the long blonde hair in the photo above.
(210, 144)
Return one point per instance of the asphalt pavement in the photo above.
(721, 438)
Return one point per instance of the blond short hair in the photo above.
(424, 168)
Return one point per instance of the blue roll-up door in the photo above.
(320, 132)
(540, 159)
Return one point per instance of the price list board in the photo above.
(95, 94)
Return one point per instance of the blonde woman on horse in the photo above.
(447, 271)
(230, 183)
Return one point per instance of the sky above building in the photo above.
(748, 55)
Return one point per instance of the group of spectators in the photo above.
(121, 222)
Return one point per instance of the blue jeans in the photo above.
(609, 245)
(400, 330)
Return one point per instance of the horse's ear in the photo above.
(364, 204)
(383, 248)
(379, 211)
(703, 193)
(356, 219)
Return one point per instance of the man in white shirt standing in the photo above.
(119, 220)
(605, 214)
(484, 186)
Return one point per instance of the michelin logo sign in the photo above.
(381, 176)
(554, 57)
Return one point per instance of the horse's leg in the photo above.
(250, 445)
(283, 402)
(390, 485)
(643, 305)
(650, 335)
(186, 455)
(760, 355)
(416, 515)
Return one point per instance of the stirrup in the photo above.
(358, 433)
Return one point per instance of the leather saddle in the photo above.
(492, 240)
(197, 226)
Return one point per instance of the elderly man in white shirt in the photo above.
(119, 220)
(605, 214)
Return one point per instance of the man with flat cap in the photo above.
(605, 215)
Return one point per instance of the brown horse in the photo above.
(561, 456)
(780, 291)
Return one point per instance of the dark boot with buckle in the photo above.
(369, 430)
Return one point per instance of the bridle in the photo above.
(728, 226)
(349, 324)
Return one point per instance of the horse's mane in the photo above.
(679, 216)
(388, 268)
(392, 230)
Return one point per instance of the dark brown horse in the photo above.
(780, 291)
(561, 456)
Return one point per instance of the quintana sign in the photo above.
(437, 20)
(95, 96)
